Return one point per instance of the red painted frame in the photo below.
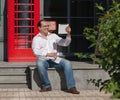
(23, 54)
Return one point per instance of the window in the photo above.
(79, 14)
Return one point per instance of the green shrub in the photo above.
(105, 36)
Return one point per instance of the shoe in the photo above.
(73, 90)
(46, 89)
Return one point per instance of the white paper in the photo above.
(61, 28)
(57, 60)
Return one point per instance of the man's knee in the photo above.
(67, 64)
(41, 64)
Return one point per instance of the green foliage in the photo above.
(105, 36)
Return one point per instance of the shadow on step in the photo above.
(62, 83)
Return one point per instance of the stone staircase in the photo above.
(24, 75)
(11, 77)
(14, 75)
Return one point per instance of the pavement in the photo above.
(28, 94)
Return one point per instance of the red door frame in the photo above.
(24, 54)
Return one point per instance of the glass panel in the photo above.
(80, 44)
(23, 8)
(78, 24)
(24, 1)
(23, 30)
(24, 15)
(82, 8)
(55, 7)
(24, 23)
(22, 41)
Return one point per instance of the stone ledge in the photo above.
(77, 65)
(57, 78)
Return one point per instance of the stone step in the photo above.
(13, 85)
(82, 73)
(17, 75)
(13, 79)
(12, 70)
(13, 76)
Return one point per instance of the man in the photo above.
(44, 46)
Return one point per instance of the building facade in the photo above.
(18, 19)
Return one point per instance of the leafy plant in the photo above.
(105, 37)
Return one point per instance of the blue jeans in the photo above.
(64, 64)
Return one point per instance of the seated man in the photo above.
(44, 46)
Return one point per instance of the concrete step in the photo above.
(12, 70)
(13, 76)
(13, 79)
(13, 85)
(82, 73)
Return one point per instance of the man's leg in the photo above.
(67, 67)
(42, 66)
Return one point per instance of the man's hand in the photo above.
(68, 29)
(53, 54)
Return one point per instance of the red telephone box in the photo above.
(23, 16)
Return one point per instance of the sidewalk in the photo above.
(27, 94)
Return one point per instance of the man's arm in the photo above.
(51, 55)
(67, 41)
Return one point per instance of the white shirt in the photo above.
(42, 46)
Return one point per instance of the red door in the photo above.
(23, 16)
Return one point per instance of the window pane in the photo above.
(55, 7)
(23, 1)
(82, 8)
(78, 25)
(80, 44)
